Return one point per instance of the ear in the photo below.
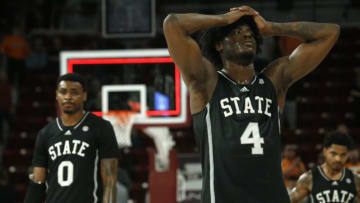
(56, 95)
(324, 151)
(85, 96)
(219, 46)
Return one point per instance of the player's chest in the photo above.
(256, 103)
(334, 191)
(334, 195)
(76, 143)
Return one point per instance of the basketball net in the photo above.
(164, 143)
(122, 122)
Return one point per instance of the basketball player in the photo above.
(68, 151)
(331, 181)
(235, 110)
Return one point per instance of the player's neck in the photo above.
(71, 119)
(240, 74)
(330, 173)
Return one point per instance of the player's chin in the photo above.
(337, 167)
(68, 110)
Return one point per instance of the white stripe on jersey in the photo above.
(58, 124)
(82, 120)
(95, 176)
(279, 120)
(211, 155)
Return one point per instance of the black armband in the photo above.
(35, 193)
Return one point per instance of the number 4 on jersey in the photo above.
(255, 139)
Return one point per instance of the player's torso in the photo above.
(240, 139)
(73, 161)
(325, 190)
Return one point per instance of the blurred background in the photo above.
(34, 32)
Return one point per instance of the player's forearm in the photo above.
(293, 198)
(109, 177)
(306, 31)
(193, 22)
(110, 192)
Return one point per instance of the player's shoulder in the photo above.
(306, 176)
(306, 179)
(97, 120)
(50, 128)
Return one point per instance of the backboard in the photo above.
(145, 76)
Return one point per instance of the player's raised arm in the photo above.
(109, 176)
(318, 39)
(303, 187)
(198, 73)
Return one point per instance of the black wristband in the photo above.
(35, 193)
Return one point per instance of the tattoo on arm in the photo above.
(307, 31)
(109, 178)
(303, 187)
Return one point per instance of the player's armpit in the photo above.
(318, 39)
(109, 169)
(303, 188)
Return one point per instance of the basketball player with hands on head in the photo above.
(331, 181)
(76, 154)
(235, 110)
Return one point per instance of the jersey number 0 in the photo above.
(69, 167)
(255, 139)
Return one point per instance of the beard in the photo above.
(71, 111)
(244, 58)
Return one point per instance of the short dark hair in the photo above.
(210, 37)
(338, 139)
(73, 77)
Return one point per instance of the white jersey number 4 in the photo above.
(62, 180)
(251, 135)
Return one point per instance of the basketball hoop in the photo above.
(122, 122)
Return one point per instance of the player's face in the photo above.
(336, 156)
(70, 97)
(240, 45)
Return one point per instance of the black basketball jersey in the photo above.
(325, 190)
(239, 140)
(72, 156)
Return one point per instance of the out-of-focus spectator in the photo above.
(6, 111)
(7, 190)
(38, 59)
(291, 164)
(16, 48)
(353, 161)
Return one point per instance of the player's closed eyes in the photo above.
(73, 93)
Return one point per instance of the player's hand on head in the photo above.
(238, 12)
(262, 24)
